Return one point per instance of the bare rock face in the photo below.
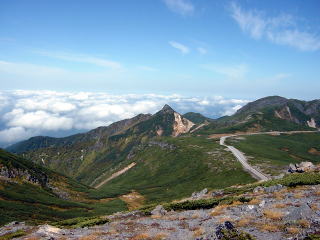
(159, 211)
(14, 173)
(201, 194)
(312, 123)
(181, 125)
(301, 167)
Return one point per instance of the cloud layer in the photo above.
(29, 113)
(183, 7)
(182, 48)
(281, 29)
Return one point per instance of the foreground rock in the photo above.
(301, 167)
(278, 213)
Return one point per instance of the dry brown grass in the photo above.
(236, 203)
(141, 236)
(219, 210)
(314, 207)
(317, 193)
(245, 221)
(198, 232)
(279, 205)
(298, 195)
(278, 195)
(195, 216)
(33, 238)
(160, 236)
(90, 237)
(156, 216)
(224, 219)
(270, 227)
(134, 200)
(293, 230)
(273, 215)
(304, 223)
(254, 201)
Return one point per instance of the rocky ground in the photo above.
(274, 213)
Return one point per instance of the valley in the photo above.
(164, 158)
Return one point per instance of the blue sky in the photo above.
(68, 66)
(245, 49)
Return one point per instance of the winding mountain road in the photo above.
(244, 161)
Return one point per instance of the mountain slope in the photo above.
(29, 192)
(196, 118)
(104, 146)
(269, 114)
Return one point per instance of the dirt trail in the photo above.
(116, 174)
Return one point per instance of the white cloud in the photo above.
(281, 29)
(182, 48)
(231, 111)
(236, 71)
(30, 113)
(202, 50)
(14, 134)
(37, 120)
(82, 58)
(183, 7)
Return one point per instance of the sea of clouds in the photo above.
(24, 114)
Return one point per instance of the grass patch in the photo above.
(16, 234)
(274, 153)
(81, 222)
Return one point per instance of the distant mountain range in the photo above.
(164, 156)
(77, 154)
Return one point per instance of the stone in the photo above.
(262, 203)
(258, 189)
(274, 188)
(306, 166)
(159, 210)
(302, 212)
(217, 193)
(201, 194)
(301, 167)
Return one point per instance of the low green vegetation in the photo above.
(19, 233)
(22, 200)
(275, 153)
(81, 222)
(165, 174)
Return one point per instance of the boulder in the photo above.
(159, 211)
(302, 212)
(201, 194)
(217, 193)
(301, 167)
(274, 188)
(258, 189)
(306, 166)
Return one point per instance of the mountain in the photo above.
(75, 154)
(30, 192)
(153, 159)
(272, 113)
(197, 118)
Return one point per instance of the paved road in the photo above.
(244, 161)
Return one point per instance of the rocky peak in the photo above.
(167, 109)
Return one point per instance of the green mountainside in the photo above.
(197, 118)
(29, 192)
(145, 159)
(269, 114)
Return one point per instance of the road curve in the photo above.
(243, 160)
